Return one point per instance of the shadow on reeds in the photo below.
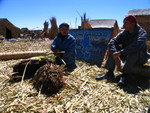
(135, 84)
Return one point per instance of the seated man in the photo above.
(63, 47)
(129, 46)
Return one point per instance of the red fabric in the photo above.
(130, 18)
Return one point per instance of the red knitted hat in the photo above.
(130, 18)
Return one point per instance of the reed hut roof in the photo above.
(139, 12)
(6, 25)
(6, 22)
(103, 23)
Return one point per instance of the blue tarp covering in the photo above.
(91, 44)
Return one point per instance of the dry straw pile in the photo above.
(81, 94)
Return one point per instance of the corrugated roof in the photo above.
(102, 23)
(139, 12)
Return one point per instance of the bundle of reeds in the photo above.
(45, 30)
(54, 28)
(27, 68)
(84, 22)
(49, 79)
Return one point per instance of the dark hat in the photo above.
(130, 18)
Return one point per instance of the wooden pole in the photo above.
(21, 55)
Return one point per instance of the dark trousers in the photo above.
(131, 63)
(69, 64)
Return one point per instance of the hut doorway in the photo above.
(8, 33)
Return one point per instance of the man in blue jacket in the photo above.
(63, 47)
(129, 47)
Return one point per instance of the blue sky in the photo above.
(33, 13)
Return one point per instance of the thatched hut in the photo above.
(100, 23)
(106, 23)
(25, 30)
(8, 30)
(143, 18)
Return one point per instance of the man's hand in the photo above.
(57, 53)
(116, 57)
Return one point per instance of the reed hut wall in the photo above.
(144, 21)
(115, 30)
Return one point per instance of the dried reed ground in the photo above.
(82, 94)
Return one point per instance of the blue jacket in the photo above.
(66, 44)
(130, 43)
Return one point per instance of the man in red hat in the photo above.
(128, 47)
